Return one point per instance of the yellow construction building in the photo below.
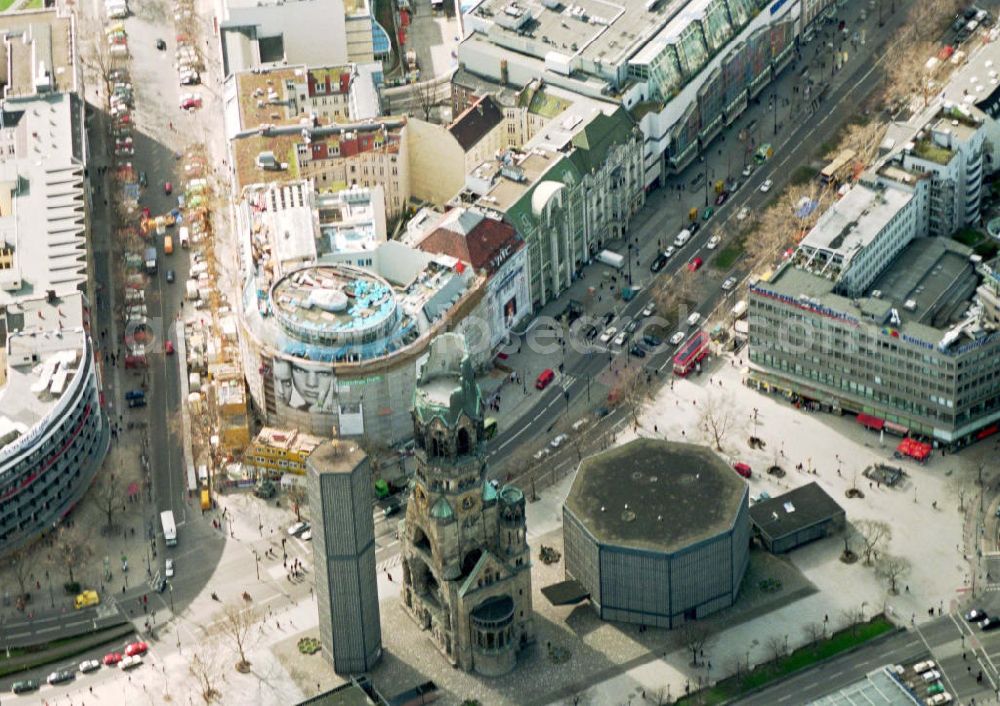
(275, 452)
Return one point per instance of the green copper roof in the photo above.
(442, 510)
(597, 138)
(489, 492)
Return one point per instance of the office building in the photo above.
(333, 329)
(466, 560)
(683, 68)
(340, 497)
(275, 452)
(657, 533)
(54, 434)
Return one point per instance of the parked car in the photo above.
(989, 624)
(558, 441)
(608, 334)
(60, 676)
(307, 535)
(713, 242)
(544, 378)
(131, 662)
(638, 351)
(694, 227)
(137, 648)
(695, 264)
(631, 327)
(931, 675)
(298, 528)
(143, 182)
(747, 170)
(658, 263)
(23, 686)
(707, 213)
(935, 688)
(742, 469)
(112, 658)
(170, 276)
(938, 699)
(766, 186)
(168, 568)
(677, 338)
(648, 310)
(541, 453)
(651, 340)
(728, 284)
(921, 667)
(189, 101)
(265, 489)
(89, 665)
(721, 198)
(669, 252)
(742, 214)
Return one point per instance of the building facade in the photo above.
(657, 533)
(340, 498)
(54, 434)
(466, 561)
(275, 452)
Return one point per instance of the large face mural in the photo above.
(303, 387)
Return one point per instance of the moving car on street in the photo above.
(713, 242)
(766, 186)
(742, 214)
(728, 284)
(608, 334)
(695, 264)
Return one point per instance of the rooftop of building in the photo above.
(270, 153)
(476, 122)
(794, 511)
(333, 298)
(446, 386)
(44, 346)
(576, 141)
(42, 237)
(854, 221)
(878, 688)
(976, 82)
(358, 692)
(336, 456)
(37, 52)
(287, 439)
(656, 495)
(262, 32)
(923, 294)
(471, 236)
(597, 30)
(264, 97)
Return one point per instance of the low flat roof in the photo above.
(794, 511)
(335, 456)
(656, 495)
(878, 688)
(853, 222)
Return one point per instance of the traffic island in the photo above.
(781, 666)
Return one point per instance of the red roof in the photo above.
(487, 246)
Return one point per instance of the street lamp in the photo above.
(630, 264)
(256, 557)
(52, 599)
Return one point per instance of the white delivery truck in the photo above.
(740, 310)
(184, 237)
(611, 258)
(682, 238)
(169, 528)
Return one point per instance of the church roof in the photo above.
(442, 510)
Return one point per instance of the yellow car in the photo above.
(87, 598)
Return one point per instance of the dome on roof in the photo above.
(442, 510)
(544, 193)
(489, 492)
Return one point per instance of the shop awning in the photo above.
(871, 422)
(896, 428)
(914, 449)
(566, 593)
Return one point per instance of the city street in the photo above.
(661, 219)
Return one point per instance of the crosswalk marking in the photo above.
(389, 563)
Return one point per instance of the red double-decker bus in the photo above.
(692, 353)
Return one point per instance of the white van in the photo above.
(184, 237)
(682, 238)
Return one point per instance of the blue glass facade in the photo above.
(41, 479)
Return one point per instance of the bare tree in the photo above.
(873, 534)
(108, 494)
(717, 418)
(297, 497)
(237, 622)
(629, 390)
(892, 569)
(695, 637)
(658, 696)
(425, 97)
(814, 631)
(70, 551)
(21, 562)
(961, 487)
(205, 670)
(775, 645)
(853, 617)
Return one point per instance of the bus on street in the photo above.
(169, 528)
(691, 354)
(839, 168)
